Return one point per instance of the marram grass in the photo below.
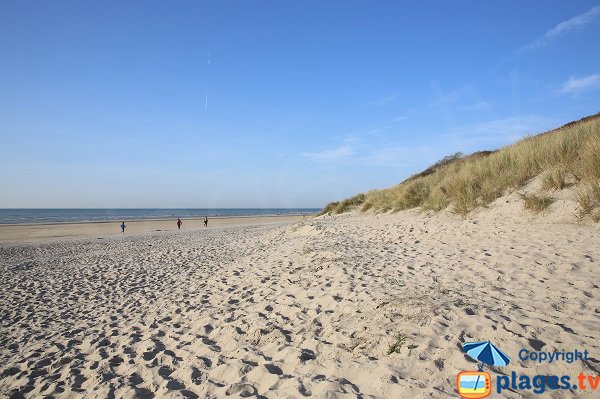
(461, 184)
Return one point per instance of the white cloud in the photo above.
(586, 83)
(330, 155)
(577, 22)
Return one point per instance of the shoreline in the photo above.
(199, 218)
(15, 233)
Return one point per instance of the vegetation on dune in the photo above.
(536, 203)
(588, 199)
(570, 153)
(338, 207)
(555, 179)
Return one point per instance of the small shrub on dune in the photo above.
(448, 159)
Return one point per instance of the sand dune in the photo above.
(284, 310)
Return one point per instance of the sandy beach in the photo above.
(402, 200)
(101, 230)
(351, 306)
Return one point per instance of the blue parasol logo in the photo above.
(486, 353)
(476, 385)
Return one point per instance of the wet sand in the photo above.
(36, 232)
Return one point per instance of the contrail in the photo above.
(209, 61)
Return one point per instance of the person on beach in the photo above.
(179, 223)
(205, 221)
(123, 227)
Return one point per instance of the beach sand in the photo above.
(292, 310)
(37, 231)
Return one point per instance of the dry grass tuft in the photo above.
(536, 203)
(465, 183)
(588, 200)
(555, 179)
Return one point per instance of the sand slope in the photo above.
(291, 311)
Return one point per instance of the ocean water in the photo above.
(21, 216)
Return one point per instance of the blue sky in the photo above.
(274, 103)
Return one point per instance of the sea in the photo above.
(25, 216)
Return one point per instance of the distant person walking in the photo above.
(205, 221)
(179, 223)
(123, 227)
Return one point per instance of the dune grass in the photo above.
(338, 207)
(555, 179)
(588, 200)
(461, 184)
(536, 203)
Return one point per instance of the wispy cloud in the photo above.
(330, 155)
(476, 106)
(397, 155)
(585, 83)
(380, 102)
(577, 22)
(386, 125)
(493, 133)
